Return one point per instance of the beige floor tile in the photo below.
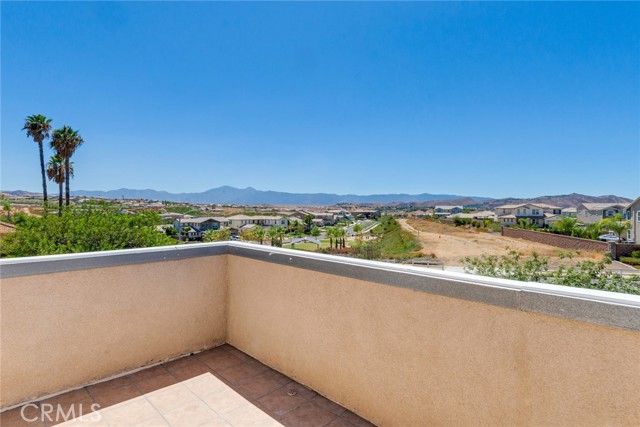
(128, 413)
(155, 421)
(191, 414)
(218, 422)
(249, 415)
(171, 397)
(93, 419)
(224, 401)
(205, 384)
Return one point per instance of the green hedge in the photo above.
(630, 260)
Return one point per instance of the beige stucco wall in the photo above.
(64, 330)
(399, 357)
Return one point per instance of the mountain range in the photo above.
(562, 201)
(249, 195)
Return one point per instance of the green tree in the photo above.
(38, 128)
(56, 173)
(564, 226)
(339, 234)
(272, 233)
(315, 231)
(586, 274)
(280, 233)
(593, 230)
(308, 221)
(259, 234)
(88, 227)
(220, 235)
(6, 206)
(66, 141)
(617, 224)
(330, 232)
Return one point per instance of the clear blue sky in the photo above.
(492, 99)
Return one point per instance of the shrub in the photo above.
(369, 249)
(586, 274)
(89, 227)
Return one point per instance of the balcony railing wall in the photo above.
(398, 345)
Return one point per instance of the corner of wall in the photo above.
(227, 283)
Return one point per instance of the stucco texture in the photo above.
(400, 357)
(64, 330)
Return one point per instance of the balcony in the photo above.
(352, 342)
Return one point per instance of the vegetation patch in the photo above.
(308, 246)
(586, 274)
(395, 242)
(88, 227)
(630, 260)
(185, 210)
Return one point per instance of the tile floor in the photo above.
(218, 387)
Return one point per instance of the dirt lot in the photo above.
(450, 244)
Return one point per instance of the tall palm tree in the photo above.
(65, 141)
(38, 127)
(259, 233)
(330, 232)
(56, 173)
(339, 234)
(280, 232)
(272, 233)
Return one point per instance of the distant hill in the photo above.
(563, 201)
(21, 193)
(460, 201)
(249, 195)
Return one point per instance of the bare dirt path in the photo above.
(450, 244)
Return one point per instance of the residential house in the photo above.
(589, 213)
(479, 215)
(570, 212)
(340, 213)
(238, 221)
(417, 214)
(193, 228)
(536, 213)
(365, 213)
(633, 215)
(327, 218)
(443, 211)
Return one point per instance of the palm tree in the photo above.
(258, 234)
(272, 232)
(565, 225)
(56, 173)
(330, 232)
(65, 141)
(38, 127)
(617, 224)
(339, 234)
(280, 233)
